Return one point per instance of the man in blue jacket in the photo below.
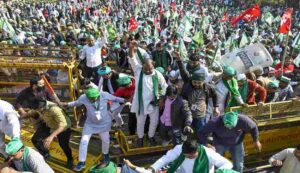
(228, 134)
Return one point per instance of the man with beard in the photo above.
(161, 57)
(289, 159)
(197, 93)
(150, 86)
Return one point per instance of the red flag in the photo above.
(285, 24)
(132, 24)
(248, 15)
(173, 5)
(225, 18)
(161, 9)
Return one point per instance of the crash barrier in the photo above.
(278, 125)
(19, 63)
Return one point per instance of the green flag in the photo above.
(185, 27)
(255, 35)
(6, 27)
(183, 51)
(111, 32)
(210, 33)
(198, 38)
(296, 42)
(204, 23)
(244, 41)
(268, 17)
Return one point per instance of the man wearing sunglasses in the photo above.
(228, 134)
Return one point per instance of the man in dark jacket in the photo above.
(175, 117)
(197, 93)
(228, 133)
(162, 57)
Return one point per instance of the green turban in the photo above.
(230, 119)
(104, 70)
(13, 146)
(225, 171)
(285, 79)
(117, 46)
(273, 85)
(198, 76)
(160, 69)
(124, 81)
(229, 71)
(92, 93)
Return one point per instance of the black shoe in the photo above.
(152, 142)
(70, 163)
(140, 142)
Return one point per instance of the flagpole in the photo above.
(210, 66)
(285, 51)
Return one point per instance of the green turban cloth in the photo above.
(285, 79)
(104, 70)
(13, 146)
(225, 171)
(124, 81)
(273, 85)
(92, 93)
(229, 71)
(110, 168)
(160, 69)
(198, 76)
(230, 119)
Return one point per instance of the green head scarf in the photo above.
(13, 146)
(229, 71)
(225, 171)
(198, 76)
(124, 81)
(161, 70)
(273, 85)
(230, 119)
(104, 70)
(92, 93)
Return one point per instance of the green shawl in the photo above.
(110, 168)
(140, 56)
(244, 91)
(161, 59)
(233, 88)
(201, 163)
(26, 168)
(140, 89)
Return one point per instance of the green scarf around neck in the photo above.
(161, 59)
(140, 56)
(244, 91)
(233, 88)
(201, 163)
(26, 168)
(140, 89)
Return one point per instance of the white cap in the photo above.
(241, 77)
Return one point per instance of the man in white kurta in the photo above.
(9, 123)
(289, 159)
(98, 121)
(147, 106)
(214, 160)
